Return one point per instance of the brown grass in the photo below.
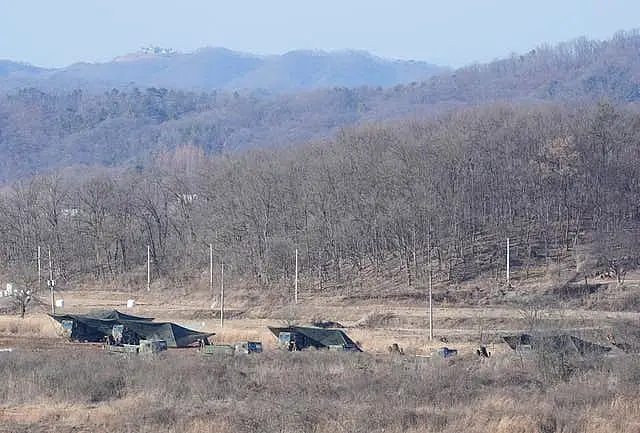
(31, 326)
(182, 391)
(76, 388)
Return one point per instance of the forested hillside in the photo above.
(553, 178)
(42, 130)
(579, 69)
(543, 148)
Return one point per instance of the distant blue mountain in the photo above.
(17, 69)
(220, 68)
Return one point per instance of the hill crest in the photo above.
(210, 68)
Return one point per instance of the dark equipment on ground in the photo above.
(294, 338)
(395, 349)
(144, 347)
(239, 348)
(482, 352)
(560, 343)
(625, 347)
(445, 352)
(118, 328)
(247, 347)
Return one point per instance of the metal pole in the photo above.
(222, 295)
(508, 278)
(148, 268)
(211, 268)
(51, 283)
(295, 293)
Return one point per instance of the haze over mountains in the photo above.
(43, 129)
(220, 68)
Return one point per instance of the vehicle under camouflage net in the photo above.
(299, 338)
(98, 326)
(555, 343)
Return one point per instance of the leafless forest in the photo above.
(554, 178)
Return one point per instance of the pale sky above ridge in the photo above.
(451, 33)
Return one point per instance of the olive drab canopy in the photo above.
(114, 315)
(97, 326)
(560, 343)
(320, 338)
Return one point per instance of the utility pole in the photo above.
(430, 288)
(508, 277)
(39, 271)
(319, 272)
(211, 268)
(148, 268)
(295, 293)
(222, 295)
(51, 283)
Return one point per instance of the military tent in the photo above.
(174, 335)
(96, 326)
(320, 338)
(101, 315)
(114, 315)
(560, 343)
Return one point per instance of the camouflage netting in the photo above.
(317, 337)
(561, 344)
(97, 326)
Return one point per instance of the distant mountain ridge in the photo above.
(9, 68)
(221, 68)
(42, 130)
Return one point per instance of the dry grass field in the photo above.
(50, 385)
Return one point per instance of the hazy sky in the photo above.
(448, 32)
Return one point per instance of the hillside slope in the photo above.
(375, 205)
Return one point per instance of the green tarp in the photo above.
(114, 315)
(174, 335)
(97, 326)
(561, 343)
(319, 338)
